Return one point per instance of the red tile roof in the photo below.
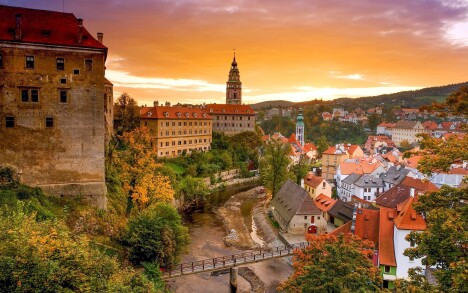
(394, 196)
(227, 109)
(408, 218)
(386, 124)
(309, 147)
(343, 229)
(350, 149)
(312, 180)
(419, 185)
(431, 125)
(360, 167)
(324, 203)
(386, 246)
(166, 112)
(44, 27)
(460, 171)
(367, 225)
(460, 136)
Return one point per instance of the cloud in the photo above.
(457, 33)
(125, 79)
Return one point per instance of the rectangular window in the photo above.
(60, 64)
(387, 269)
(63, 80)
(76, 71)
(34, 96)
(24, 96)
(30, 62)
(305, 217)
(63, 96)
(9, 122)
(89, 64)
(49, 122)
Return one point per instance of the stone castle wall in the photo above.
(66, 159)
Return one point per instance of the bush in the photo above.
(8, 177)
(156, 235)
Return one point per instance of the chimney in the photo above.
(353, 223)
(18, 27)
(80, 30)
(156, 103)
(411, 192)
(100, 36)
(168, 104)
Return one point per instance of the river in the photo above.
(206, 233)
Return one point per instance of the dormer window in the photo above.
(204, 114)
(195, 115)
(178, 114)
(224, 110)
(166, 114)
(186, 114)
(248, 111)
(211, 110)
(236, 111)
(149, 114)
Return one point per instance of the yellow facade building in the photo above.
(177, 130)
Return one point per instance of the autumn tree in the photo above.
(274, 166)
(334, 264)
(456, 103)
(126, 114)
(46, 257)
(440, 154)
(443, 244)
(141, 175)
(156, 235)
(300, 169)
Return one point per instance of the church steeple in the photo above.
(300, 128)
(234, 85)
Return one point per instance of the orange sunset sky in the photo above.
(181, 50)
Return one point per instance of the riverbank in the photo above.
(208, 231)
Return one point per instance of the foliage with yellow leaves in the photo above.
(140, 176)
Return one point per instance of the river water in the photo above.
(206, 232)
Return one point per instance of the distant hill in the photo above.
(411, 99)
(278, 103)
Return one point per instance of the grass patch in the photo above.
(273, 221)
(178, 169)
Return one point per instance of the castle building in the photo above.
(177, 130)
(300, 128)
(232, 117)
(234, 85)
(55, 102)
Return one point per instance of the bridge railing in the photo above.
(232, 260)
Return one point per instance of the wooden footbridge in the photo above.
(230, 261)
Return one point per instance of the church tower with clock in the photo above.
(234, 85)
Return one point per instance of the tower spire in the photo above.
(234, 85)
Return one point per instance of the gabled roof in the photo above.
(386, 245)
(369, 181)
(409, 219)
(419, 185)
(459, 136)
(431, 125)
(229, 109)
(395, 174)
(342, 149)
(167, 112)
(44, 27)
(358, 167)
(406, 124)
(342, 210)
(367, 225)
(343, 229)
(309, 147)
(394, 196)
(351, 178)
(324, 203)
(312, 180)
(292, 200)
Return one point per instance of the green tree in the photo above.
(126, 114)
(444, 243)
(274, 166)
(156, 235)
(334, 264)
(46, 257)
(300, 169)
(322, 145)
(192, 190)
(373, 120)
(405, 145)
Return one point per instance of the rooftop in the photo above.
(367, 225)
(386, 246)
(229, 109)
(167, 112)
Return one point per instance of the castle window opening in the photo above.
(60, 64)
(29, 62)
(49, 122)
(89, 64)
(9, 122)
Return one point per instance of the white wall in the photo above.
(403, 262)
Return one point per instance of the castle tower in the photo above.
(300, 128)
(234, 85)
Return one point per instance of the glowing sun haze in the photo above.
(181, 50)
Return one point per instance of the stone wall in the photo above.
(67, 158)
